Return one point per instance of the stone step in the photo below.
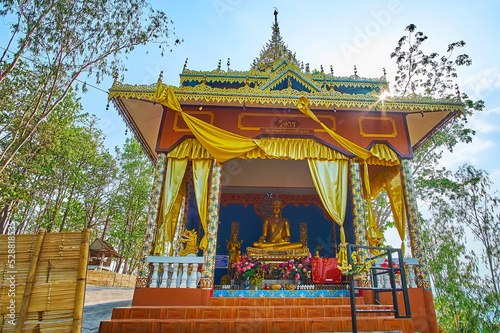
(320, 324)
(236, 312)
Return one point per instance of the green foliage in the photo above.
(131, 199)
(467, 299)
(63, 40)
(54, 170)
(64, 179)
(431, 75)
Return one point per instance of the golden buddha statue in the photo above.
(276, 232)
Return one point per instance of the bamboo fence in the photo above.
(48, 288)
(110, 279)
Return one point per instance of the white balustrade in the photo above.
(383, 280)
(175, 272)
(410, 269)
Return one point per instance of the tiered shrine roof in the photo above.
(275, 80)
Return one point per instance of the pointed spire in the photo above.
(275, 49)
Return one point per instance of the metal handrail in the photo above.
(378, 271)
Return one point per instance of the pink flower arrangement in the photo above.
(298, 270)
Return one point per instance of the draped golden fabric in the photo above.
(379, 179)
(224, 145)
(298, 149)
(388, 179)
(330, 180)
(190, 148)
(174, 217)
(373, 233)
(167, 221)
(397, 200)
(221, 144)
(382, 155)
(348, 145)
(201, 171)
(284, 148)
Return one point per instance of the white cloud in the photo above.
(492, 111)
(483, 83)
(495, 178)
(484, 124)
(463, 153)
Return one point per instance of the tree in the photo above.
(130, 203)
(63, 40)
(429, 76)
(465, 300)
(478, 209)
(53, 180)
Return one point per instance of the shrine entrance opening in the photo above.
(250, 189)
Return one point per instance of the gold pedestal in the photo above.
(276, 254)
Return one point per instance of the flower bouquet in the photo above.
(298, 270)
(358, 266)
(247, 268)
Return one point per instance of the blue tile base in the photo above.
(281, 293)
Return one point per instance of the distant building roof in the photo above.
(100, 246)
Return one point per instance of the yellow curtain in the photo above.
(330, 180)
(373, 233)
(167, 224)
(201, 171)
(379, 179)
(298, 149)
(382, 155)
(396, 198)
(190, 148)
(284, 148)
(174, 218)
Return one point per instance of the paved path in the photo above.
(99, 304)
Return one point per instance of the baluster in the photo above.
(383, 278)
(154, 278)
(192, 276)
(164, 279)
(380, 281)
(184, 275)
(173, 283)
(411, 276)
(198, 274)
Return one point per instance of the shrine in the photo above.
(262, 179)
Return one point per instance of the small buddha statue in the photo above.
(276, 232)
(238, 257)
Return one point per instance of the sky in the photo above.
(337, 33)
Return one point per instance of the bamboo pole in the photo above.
(23, 312)
(80, 281)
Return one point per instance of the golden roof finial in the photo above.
(275, 49)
